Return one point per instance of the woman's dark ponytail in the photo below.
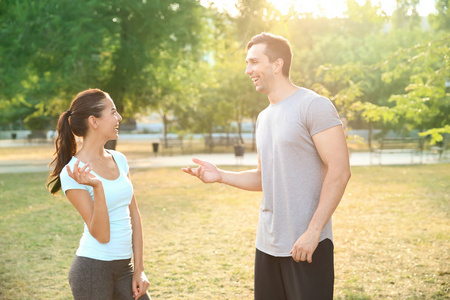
(73, 122)
(66, 147)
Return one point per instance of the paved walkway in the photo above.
(249, 159)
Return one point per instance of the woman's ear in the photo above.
(93, 122)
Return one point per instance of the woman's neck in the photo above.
(91, 149)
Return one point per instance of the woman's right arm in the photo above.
(94, 213)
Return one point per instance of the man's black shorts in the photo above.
(278, 278)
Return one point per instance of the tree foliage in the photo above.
(51, 49)
(187, 62)
(400, 84)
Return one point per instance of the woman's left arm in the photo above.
(140, 282)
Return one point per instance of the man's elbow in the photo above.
(346, 175)
(256, 189)
(341, 174)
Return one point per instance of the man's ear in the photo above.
(278, 65)
(93, 122)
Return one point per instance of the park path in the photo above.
(229, 159)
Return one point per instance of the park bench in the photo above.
(400, 145)
(440, 148)
(37, 137)
(172, 142)
(220, 141)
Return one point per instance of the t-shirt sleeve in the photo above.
(321, 115)
(68, 183)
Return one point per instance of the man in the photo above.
(303, 169)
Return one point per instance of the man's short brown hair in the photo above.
(276, 47)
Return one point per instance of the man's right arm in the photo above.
(208, 173)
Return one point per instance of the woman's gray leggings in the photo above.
(92, 279)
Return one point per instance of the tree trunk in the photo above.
(165, 127)
(111, 144)
(211, 145)
(240, 132)
(118, 82)
(254, 134)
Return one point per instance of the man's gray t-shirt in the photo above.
(291, 168)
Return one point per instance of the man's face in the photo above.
(259, 68)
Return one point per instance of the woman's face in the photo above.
(108, 123)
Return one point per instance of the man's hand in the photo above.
(206, 171)
(305, 246)
(140, 284)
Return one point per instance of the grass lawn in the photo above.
(392, 236)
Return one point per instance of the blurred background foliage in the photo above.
(186, 61)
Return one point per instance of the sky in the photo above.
(327, 8)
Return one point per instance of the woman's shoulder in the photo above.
(116, 154)
(120, 159)
(71, 163)
(68, 182)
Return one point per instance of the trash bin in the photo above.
(155, 148)
(14, 135)
(239, 150)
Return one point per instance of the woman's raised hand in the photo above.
(83, 175)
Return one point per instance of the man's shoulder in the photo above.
(264, 111)
(302, 99)
(308, 94)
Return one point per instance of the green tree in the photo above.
(225, 93)
(255, 16)
(52, 49)
(49, 50)
(406, 15)
(415, 80)
(425, 104)
(329, 55)
(441, 20)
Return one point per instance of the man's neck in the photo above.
(281, 90)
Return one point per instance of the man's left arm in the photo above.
(332, 148)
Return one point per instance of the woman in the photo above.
(97, 182)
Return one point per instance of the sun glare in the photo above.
(325, 8)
